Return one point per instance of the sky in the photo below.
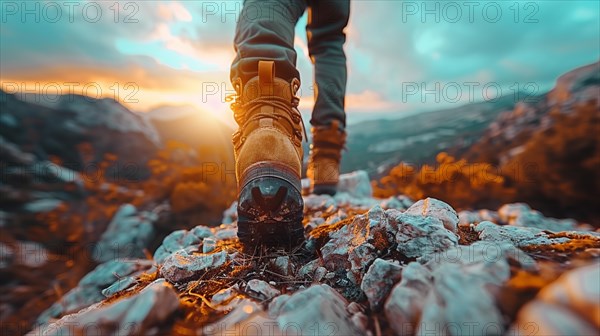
(404, 57)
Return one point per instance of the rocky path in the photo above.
(368, 267)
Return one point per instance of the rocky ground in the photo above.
(368, 267)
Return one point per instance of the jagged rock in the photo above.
(405, 303)
(202, 232)
(519, 236)
(230, 214)
(509, 213)
(313, 223)
(520, 214)
(488, 261)
(466, 218)
(224, 295)
(357, 244)
(261, 290)
(182, 239)
(179, 239)
(435, 208)
(419, 236)
(318, 305)
(338, 216)
(459, 304)
(227, 231)
(282, 265)
(90, 287)
(397, 202)
(354, 191)
(227, 299)
(208, 245)
(356, 184)
(320, 203)
(346, 200)
(360, 258)
(320, 273)
(181, 265)
(118, 286)
(133, 315)
(568, 306)
(378, 281)
(127, 235)
(439, 292)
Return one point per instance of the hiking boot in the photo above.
(268, 159)
(325, 156)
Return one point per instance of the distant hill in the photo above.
(78, 131)
(506, 136)
(380, 144)
(545, 153)
(550, 150)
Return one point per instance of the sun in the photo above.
(212, 108)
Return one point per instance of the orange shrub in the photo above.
(459, 183)
(189, 180)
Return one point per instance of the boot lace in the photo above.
(241, 111)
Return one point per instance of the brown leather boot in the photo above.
(325, 156)
(268, 154)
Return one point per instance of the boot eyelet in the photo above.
(238, 85)
(295, 85)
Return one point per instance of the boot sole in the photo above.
(270, 206)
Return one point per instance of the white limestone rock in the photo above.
(379, 280)
(438, 209)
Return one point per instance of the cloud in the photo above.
(174, 11)
(177, 47)
(369, 101)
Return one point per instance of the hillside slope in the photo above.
(504, 137)
(545, 153)
(550, 150)
(378, 145)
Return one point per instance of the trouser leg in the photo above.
(265, 31)
(325, 29)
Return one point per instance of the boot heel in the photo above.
(270, 206)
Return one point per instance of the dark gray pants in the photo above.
(265, 31)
